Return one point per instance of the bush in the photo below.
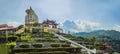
(2, 39)
(11, 45)
(68, 42)
(21, 26)
(62, 41)
(37, 45)
(65, 45)
(91, 47)
(13, 38)
(55, 45)
(47, 38)
(24, 46)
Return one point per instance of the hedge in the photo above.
(13, 38)
(24, 46)
(65, 45)
(37, 45)
(68, 42)
(2, 39)
(55, 45)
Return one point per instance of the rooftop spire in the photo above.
(30, 8)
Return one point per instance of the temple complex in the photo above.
(31, 22)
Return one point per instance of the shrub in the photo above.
(55, 45)
(47, 38)
(13, 38)
(2, 39)
(68, 42)
(37, 45)
(24, 46)
(91, 47)
(21, 26)
(62, 41)
(86, 43)
(65, 45)
(25, 37)
(11, 45)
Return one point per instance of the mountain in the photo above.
(111, 37)
(68, 25)
(111, 33)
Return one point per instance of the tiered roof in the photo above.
(49, 22)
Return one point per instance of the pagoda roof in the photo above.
(49, 21)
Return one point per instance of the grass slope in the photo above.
(3, 49)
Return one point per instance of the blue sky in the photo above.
(86, 15)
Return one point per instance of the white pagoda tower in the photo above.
(31, 17)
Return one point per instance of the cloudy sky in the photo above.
(77, 15)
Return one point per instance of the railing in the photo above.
(89, 51)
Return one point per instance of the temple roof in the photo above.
(49, 22)
(5, 27)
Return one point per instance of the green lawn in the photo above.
(3, 49)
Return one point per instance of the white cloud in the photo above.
(81, 26)
(74, 30)
(14, 23)
(87, 26)
(116, 27)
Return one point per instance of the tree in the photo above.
(21, 26)
(115, 53)
(36, 24)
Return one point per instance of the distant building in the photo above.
(31, 17)
(4, 28)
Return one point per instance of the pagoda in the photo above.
(31, 17)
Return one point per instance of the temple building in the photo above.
(31, 17)
(50, 26)
(5, 29)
